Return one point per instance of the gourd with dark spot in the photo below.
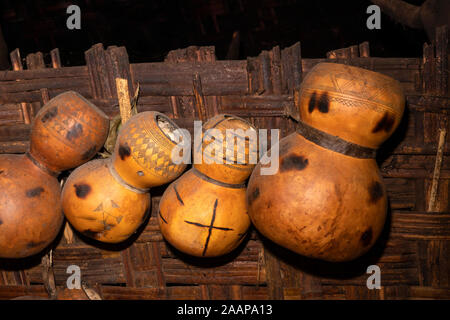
(108, 199)
(327, 200)
(30, 198)
(203, 213)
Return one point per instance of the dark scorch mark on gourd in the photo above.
(1, 222)
(50, 114)
(322, 103)
(35, 192)
(75, 132)
(375, 191)
(91, 234)
(386, 123)
(293, 162)
(366, 237)
(33, 244)
(312, 102)
(82, 190)
(124, 151)
(253, 196)
(88, 218)
(89, 154)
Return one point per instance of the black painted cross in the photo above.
(210, 227)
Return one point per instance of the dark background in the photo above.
(150, 29)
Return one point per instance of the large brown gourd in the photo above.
(203, 213)
(108, 199)
(67, 131)
(327, 200)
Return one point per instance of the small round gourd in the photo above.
(99, 206)
(67, 132)
(143, 152)
(244, 145)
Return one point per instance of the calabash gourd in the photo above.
(327, 200)
(67, 131)
(203, 213)
(108, 199)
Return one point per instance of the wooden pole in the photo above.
(199, 97)
(124, 99)
(437, 171)
(48, 275)
(17, 65)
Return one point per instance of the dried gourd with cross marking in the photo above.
(66, 132)
(109, 199)
(330, 202)
(203, 213)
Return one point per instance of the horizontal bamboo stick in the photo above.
(37, 84)
(66, 72)
(33, 96)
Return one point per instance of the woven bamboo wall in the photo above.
(413, 252)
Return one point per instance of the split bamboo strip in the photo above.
(17, 65)
(124, 99)
(437, 170)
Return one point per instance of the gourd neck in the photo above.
(334, 143)
(122, 182)
(204, 177)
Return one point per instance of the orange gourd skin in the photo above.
(108, 200)
(234, 173)
(30, 209)
(322, 203)
(203, 213)
(142, 155)
(66, 132)
(357, 105)
(100, 207)
(201, 218)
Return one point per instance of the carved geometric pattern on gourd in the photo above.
(352, 83)
(74, 121)
(85, 118)
(350, 102)
(357, 84)
(234, 151)
(149, 150)
(65, 134)
(210, 227)
(103, 208)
